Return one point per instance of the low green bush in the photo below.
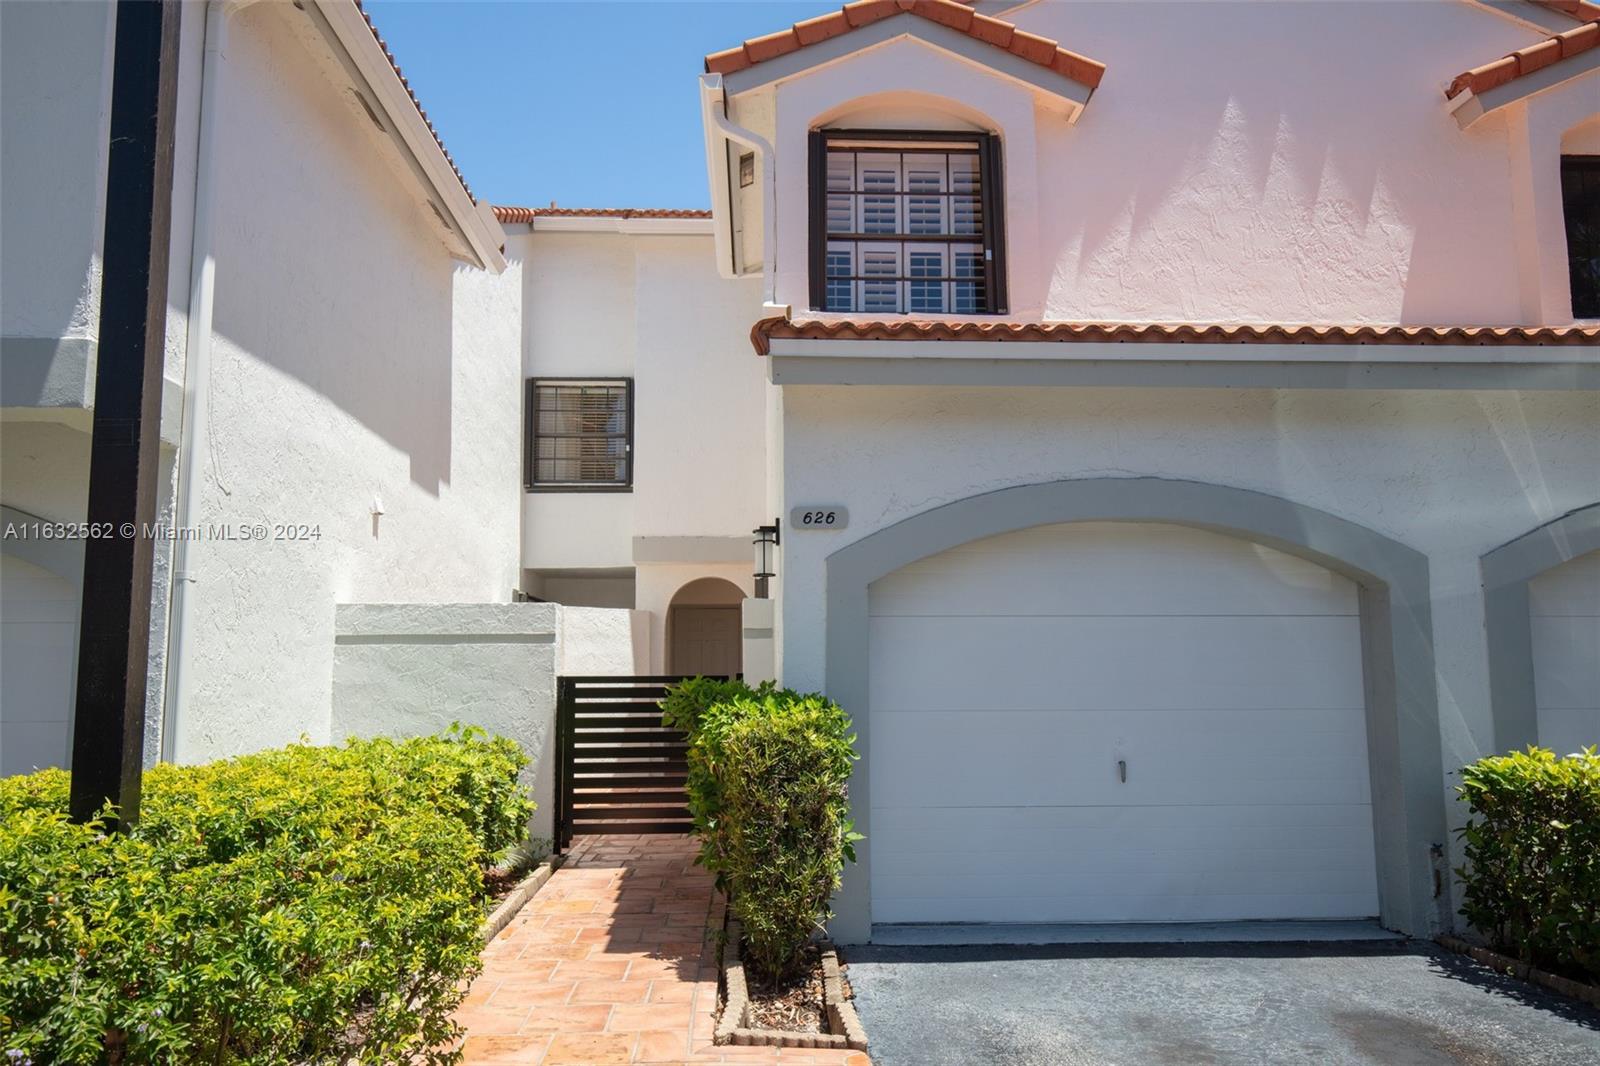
(703, 708)
(769, 772)
(304, 905)
(1531, 881)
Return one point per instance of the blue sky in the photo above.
(590, 104)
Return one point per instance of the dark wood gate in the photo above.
(618, 770)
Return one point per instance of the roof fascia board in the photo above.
(1534, 16)
(666, 227)
(822, 349)
(906, 24)
(358, 51)
(1468, 108)
(1179, 370)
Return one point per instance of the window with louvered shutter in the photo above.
(1580, 202)
(580, 435)
(906, 222)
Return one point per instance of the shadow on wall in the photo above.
(326, 270)
(1279, 180)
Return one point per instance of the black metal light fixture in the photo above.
(765, 544)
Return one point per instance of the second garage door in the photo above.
(1106, 722)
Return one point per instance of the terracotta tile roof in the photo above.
(1035, 49)
(1578, 9)
(528, 214)
(768, 329)
(1535, 56)
(384, 48)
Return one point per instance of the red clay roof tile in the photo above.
(957, 16)
(528, 214)
(1535, 56)
(768, 329)
(384, 48)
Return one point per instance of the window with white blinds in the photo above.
(905, 223)
(580, 435)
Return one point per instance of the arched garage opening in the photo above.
(1168, 575)
(703, 628)
(1541, 601)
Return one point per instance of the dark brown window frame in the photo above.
(530, 437)
(991, 182)
(1576, 168)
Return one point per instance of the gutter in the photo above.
(713, 110)
(196, 381)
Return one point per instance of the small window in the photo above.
(906, 222)
(1580, 201)
(579, 435)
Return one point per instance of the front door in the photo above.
(705, 640)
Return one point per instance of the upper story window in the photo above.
(906, 222)
(579, 435)
(1580, 201)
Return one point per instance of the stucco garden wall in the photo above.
(412, 669)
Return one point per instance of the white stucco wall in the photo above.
(413, 669)
(55, 99)
(600, 641)
(1450, 474)
(341, 371)
(1228, 169)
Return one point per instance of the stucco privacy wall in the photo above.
(1224, 171)
(1449, 475)
(413, 669)
(341, 373)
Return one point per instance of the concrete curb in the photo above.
(843, 1021)
(502, 915)
(1565, 986)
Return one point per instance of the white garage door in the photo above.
(1018, 679)
(38, 632)
(1565, 605)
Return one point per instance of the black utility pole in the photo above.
(114, 630)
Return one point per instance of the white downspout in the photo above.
(716, 111)
(196, 379)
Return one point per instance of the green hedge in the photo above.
(305, 905)
(1531, 881)
(768, 787)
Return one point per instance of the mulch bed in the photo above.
(811, 1009)
(498, 883)
(793, 1005)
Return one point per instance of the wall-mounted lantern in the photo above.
(765, 544)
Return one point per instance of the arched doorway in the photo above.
(703, 628)
(1391, 589)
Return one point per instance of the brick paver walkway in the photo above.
(613, 961)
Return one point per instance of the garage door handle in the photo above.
(1122, 770)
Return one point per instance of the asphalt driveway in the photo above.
(1367, 1003)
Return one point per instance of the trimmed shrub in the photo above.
(768, 780)
(305, 905)
(1531, 881)
(703, 708)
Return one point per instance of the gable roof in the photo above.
(1040, 51)
(1537, 56)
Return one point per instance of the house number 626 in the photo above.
(819, 517)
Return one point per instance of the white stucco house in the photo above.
(1180, 423)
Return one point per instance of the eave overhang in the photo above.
(1037, 63)
(355, 45)
(973, 353)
